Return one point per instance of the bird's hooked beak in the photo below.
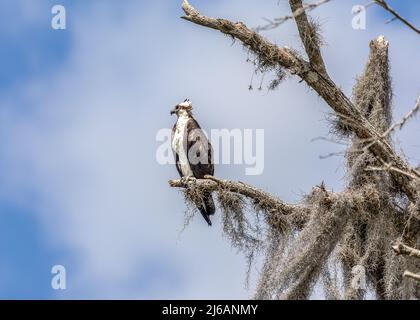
(173, 111)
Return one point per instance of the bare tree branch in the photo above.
(390, 168)
(412, 275)
(309, 35)
(274, 55)
(279, 214)
(212, 184)
(401, 248)
(396, 15)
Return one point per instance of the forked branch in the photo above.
(274, 55)
(309, 35)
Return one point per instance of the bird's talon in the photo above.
(191, 181)
(183, 180)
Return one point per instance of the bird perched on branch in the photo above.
(193, 153)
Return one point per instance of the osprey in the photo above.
(193, 153)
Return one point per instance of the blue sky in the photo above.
(79, 112)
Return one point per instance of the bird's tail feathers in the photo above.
(207, 207)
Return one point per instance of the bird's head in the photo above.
(182, 109)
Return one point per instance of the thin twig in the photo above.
(331, 154)
(411, 275)
(403, 249)
(276, 22)
(390, 168)
(404, 120)
(385, 5)
(365, 7)
(272, 24)
(328, 140)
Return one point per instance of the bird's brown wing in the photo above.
(198, 145)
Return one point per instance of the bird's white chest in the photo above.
(179, 145)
